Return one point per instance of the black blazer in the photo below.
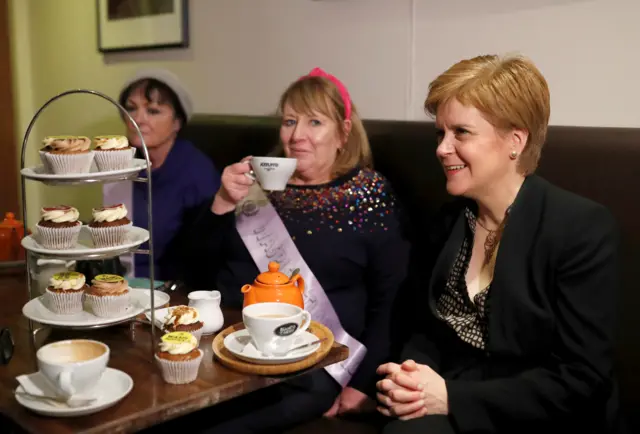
(548, 358)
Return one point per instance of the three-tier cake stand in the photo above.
(35, 308)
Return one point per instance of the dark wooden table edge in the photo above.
(128, 424)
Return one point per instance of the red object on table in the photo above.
(11, 233)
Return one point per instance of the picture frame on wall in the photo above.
(127, 25)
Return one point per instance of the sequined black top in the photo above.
(467, 318)
(348, 232)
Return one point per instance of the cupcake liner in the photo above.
(64, 303)
(58, 238)
(69, 163)
(108, 305)
(180, 372)
(109, 236)
(113, 160)
(198, 334)
(45, 162)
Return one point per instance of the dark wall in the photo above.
(599, 163)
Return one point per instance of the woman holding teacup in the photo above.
(337, 220)
(513, 328)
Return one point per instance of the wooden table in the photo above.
(151, 401)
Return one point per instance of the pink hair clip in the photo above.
(344, 93)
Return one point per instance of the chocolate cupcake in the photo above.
(108, 295)
(179, 357)
(184, 319)
(112, 153)
(64, 293)
(67, 154)
(109, 226)
(58, 227)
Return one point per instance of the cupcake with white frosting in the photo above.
(184, 319)
(179, 357)
(67, 154)
(108, 295)
(45, 163)
(64, 293)
(112, 153)
(109, 225)
(58, 227)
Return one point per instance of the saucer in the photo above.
(144, 283)
(36, 309)
(240, 345)
(159, 316)
(113, 386)
(84, 245)
(39, 173)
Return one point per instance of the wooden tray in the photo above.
(228, 359)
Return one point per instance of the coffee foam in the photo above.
(73, 351)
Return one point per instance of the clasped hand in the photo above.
(411, 390)
(349, 401)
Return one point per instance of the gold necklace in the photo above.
(493, 236)
(486, 228)
(491, 241)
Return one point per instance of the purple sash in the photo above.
(121, 192)
(267, 239)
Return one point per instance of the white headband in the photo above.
(171, 80)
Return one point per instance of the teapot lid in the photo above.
(273, 276)
(10, 221)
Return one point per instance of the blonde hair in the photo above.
(319, 94)
(511, 92)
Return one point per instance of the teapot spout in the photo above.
(245, 289)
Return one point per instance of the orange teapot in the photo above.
(11, 233)
(274, 286)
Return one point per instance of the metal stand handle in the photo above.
(148, 180)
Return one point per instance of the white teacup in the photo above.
(274, 327)
(73, 367)
(273, 173)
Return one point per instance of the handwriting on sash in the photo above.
(273, 248)
(267, 239)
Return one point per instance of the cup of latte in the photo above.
(73, 367)
(272, 173)
(275, 327)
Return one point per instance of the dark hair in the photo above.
(165, 93)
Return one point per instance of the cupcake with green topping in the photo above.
(108, 295)
(179, 357)
(64, 293)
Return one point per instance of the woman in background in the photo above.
(183, 176)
